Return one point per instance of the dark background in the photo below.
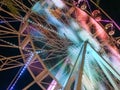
(112, 8)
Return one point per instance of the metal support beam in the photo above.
(70, 79)
(78, 82)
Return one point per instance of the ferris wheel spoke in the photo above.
(51, 58)
(7, 29)
(11, 62)
(48, 53)
(2, 36)
(9, 46)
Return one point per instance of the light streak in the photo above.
(100, 59)
(8, 21)
(52, 85)
(71, 34)
(22, 71)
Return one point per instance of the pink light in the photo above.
(83, 17)
(52, 85)
(86, 21)
(99, 30)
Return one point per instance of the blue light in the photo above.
(38, 8)
(8, 21)
(22, 71)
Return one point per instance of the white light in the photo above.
(58, 3)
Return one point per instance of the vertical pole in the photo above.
(78, 82)
(67, 87)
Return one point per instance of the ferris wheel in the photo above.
(63, 45)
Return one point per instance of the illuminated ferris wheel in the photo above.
(63, 45)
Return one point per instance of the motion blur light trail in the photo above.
(76, 35)
(63, 44)
(21, 72)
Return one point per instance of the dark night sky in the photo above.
(112, 8)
